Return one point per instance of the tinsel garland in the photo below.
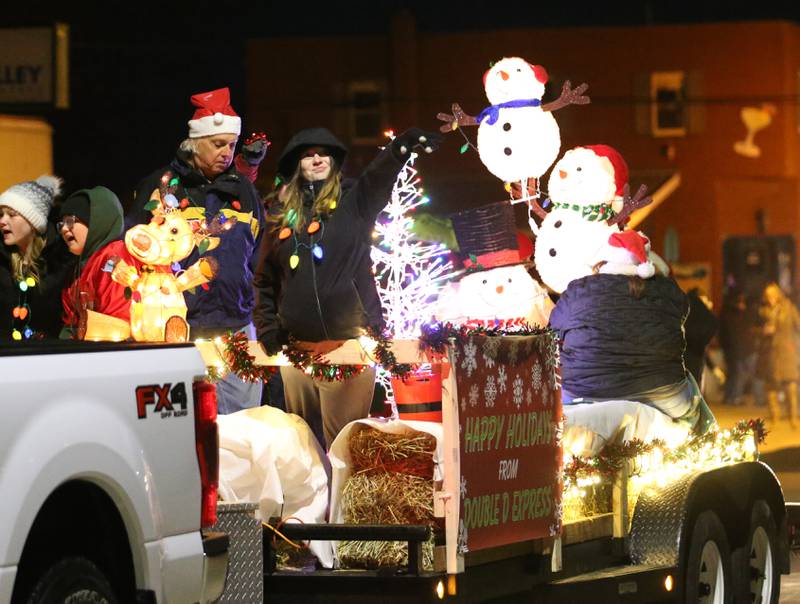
(238, 360)
(302, 361)
(611, 459)
(385, 356)
(435, 337)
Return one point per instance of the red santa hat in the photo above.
(621, 173)
(627, 254)
(214, 114)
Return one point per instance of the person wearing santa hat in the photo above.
(208, 185)
(622, 337)
(34, 262)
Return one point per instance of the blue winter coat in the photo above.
(614, 345)
(229, 300)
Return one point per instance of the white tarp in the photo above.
(272, 458)
(588, 427)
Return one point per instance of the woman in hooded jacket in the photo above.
(34, 263)
(92, 225)
(314, 284)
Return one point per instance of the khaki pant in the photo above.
(328, 406)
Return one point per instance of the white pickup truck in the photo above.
(108, 475)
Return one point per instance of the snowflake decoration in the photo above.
(491, 346)
(464, 403)
(463, 535)
(463, 488)
(536, 376)
(517, 391)
(502, 379)
(474, 395)
(490, 391)
(469, 363)
(559, 433)
(529, 397)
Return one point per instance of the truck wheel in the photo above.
(708, 563)
(755, 565)
(72, 581)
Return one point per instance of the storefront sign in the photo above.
(27, 66)
(510, 440)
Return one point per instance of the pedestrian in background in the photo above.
(778, 358)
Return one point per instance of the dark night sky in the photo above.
(134, 65)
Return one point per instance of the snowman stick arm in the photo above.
(629, 206)
(458, 119)
(569, 96)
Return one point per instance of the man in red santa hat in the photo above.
(208, 186)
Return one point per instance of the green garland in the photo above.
(612, 457)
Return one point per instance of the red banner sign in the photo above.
(510, 440)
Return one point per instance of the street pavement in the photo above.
(781, 452)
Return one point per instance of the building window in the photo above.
(668, 103)
(366, 112)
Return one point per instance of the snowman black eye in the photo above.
(518, 69)
(484, 281)
(557, 224)
(174, 231)
(578, 168)
(552, 252)
(509, 279)
(506, 126)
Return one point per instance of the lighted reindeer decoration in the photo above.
(158, 310)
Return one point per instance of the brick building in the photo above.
(671, 99)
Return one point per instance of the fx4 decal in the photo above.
(163, 399)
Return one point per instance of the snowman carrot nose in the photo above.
(499, 289)
(562, 174)
(503, 74)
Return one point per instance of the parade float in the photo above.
(512, 493)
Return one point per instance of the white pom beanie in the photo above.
(33, 199)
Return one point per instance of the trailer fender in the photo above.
(662, 517)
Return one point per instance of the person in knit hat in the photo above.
(207, 186)
(91, 225)
(35, 264)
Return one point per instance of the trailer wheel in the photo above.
(72, 580)
(755, 565)
(708, 563)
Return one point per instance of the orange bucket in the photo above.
(419, 395)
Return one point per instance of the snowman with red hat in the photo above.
(590, 199)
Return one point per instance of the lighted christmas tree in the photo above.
(408, 273)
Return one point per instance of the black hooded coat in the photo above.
(332, 297)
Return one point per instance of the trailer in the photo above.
(720, 533)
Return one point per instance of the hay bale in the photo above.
(391, 483)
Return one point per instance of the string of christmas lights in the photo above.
(657, 464)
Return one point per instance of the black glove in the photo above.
(415, 138)
(255, 148)
(274, 341)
